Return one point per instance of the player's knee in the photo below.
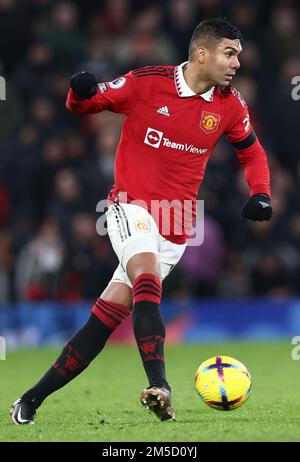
(143, 263)
(118, 293)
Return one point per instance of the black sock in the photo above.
(149, 329)
(81, 349)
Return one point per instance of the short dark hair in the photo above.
(213, 30)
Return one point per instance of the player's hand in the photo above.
(84, 85)
(257, 208)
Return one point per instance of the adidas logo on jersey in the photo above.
(164, 111)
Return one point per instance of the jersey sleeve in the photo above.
(118, 96)
(240, 127)
(248, 149)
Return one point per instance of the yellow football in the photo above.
(223, 383)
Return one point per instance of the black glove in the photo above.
(257, 208)
(84, 85)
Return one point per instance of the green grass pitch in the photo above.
(102, 404)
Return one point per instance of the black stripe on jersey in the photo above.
(144, 70)
(154, 68)
(247, 142)
(149, 70)
(154, 73)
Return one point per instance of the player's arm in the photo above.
(86, 96)
(255, 165)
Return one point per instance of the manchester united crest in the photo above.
(142, 226)
(209, 122)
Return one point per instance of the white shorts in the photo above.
(132, 230)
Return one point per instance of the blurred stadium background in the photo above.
(243, 282)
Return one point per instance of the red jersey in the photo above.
(169, 134)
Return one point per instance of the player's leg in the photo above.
(136, 240)
(153, 397)
(143, 271)
(110, 309)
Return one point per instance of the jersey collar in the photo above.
(184, 90)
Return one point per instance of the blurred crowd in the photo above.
(55, 166)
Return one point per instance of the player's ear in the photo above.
(201, 54)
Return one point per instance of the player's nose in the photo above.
(235, 64)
